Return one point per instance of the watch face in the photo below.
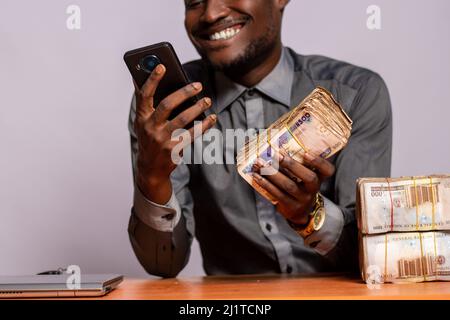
(319, 219)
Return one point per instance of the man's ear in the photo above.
(282, 4)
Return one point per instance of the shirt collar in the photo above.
(277, 84)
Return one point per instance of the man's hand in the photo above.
(295, 185)
(154, 133)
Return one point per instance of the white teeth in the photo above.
(224, 34)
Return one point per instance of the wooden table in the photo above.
(274, 287)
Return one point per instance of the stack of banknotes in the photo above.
(318, 125)
(404, 226)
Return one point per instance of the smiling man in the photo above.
(249, 79)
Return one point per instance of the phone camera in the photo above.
(148, 63)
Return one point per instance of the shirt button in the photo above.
(268, 227)
(289, 269)
(251, 92)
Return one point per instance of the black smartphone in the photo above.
(141, 63)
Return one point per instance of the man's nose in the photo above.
(215, 10)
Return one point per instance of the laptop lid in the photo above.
(57, 285)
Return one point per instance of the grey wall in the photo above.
(65, 174)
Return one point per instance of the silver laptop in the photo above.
(43, 286)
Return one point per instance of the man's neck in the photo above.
(251, 77)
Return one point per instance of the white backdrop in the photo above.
(65, 173)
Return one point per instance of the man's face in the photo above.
(233, 34)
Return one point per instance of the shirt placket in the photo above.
(266, 211)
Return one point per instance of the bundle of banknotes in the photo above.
(406, 257)
(404, 226)
(404, 204)
(318, 125)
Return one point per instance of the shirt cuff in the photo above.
(328, 236)
(159, 217)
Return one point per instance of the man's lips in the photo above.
(226, 34)
(222, 32)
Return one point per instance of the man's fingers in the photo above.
(324, 167)
(175, 99)
(284, 200)
(144, 107)
(309, 178)
(269, 186)
(149, 87)
(285, 184)
(189, 115)
(200, 128)
(186, 137)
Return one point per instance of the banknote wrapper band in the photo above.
(416, 195)
(269, 139)
(433, 209)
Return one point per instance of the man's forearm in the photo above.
(161, 253)
(345, 253)
(154, 188)
(159, 236)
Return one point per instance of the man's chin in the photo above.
(240, 59)
(223, 60)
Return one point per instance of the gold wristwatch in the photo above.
(315, 222)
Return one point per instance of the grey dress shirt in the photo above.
(238, 230)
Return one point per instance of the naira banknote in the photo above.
(403, 204)
(405, 257)
(318, 125)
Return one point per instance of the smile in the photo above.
(225, 34)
